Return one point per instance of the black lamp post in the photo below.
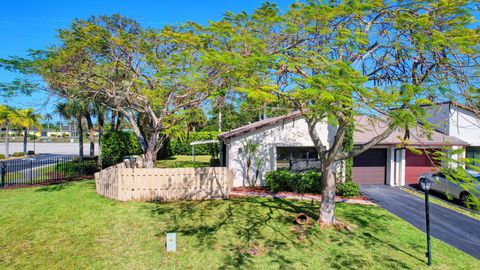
(426, 184)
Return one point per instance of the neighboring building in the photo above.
(454, 119)
(284, 142)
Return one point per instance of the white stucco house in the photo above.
(284, 142)
(455, 119)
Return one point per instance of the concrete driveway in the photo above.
(447, 225)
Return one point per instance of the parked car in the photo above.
(454, 188)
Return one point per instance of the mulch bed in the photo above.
(265, 191)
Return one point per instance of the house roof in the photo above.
(459, 105)
(258, 125)
(366, 129)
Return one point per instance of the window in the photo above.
(297, 158)
(474, 152)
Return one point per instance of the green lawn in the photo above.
(184, 162)
(69, 226)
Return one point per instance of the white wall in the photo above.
(454, 121)
(465, 125)
(292, 132)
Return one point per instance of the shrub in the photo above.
(31, 152)
(18, 154)
(311, 182)
(2, 156)
(182, 146)
(78, 168)
(116, 145)
(215, 162)
(348, 189)
(283, 180)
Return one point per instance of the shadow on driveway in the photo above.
(447, 225)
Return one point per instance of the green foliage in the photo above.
(473, 202)
(282, 180)
(18, 154)
(348, 189)
(215, 162)
(181, 146)
(2, 156)
(30, 152)
(77, 168)
(116, 145)
(347, 147)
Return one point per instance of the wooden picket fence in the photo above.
(157, 184)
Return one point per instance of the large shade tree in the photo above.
(152, 78)
(333, 60)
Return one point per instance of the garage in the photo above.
(370, 167)
(416, 164)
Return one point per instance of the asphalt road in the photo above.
(16, 165)
(48, 148)
(447, 225)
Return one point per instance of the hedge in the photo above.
(283, 180)
(348, 189)
(116, 145)
(182, 146)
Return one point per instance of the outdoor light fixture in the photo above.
(426, 184)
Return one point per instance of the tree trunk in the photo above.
(80, 137)
(91, 134)
(119, 122)
(25, 133)
(112, 120)
(100, 134)
(7, 140)
(154, 145)
(327, 205)
(249, 163)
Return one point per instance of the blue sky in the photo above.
(29, 24)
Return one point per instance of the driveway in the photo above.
(447, 225)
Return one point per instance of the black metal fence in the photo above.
(40, 170)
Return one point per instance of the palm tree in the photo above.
(100, 112)
(48, 117)
(29, 119)
(250, 149)
(8, 117)
(73, 110)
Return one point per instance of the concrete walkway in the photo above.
(447, 225)
(295, 197)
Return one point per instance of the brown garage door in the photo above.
(370, 167)
(416, 164)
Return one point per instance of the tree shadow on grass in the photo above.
(248, 228)
(59, 186)
(245, 228)
(53, 187)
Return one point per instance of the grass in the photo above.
(471, 213)
(184, 162)
(69, 226)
